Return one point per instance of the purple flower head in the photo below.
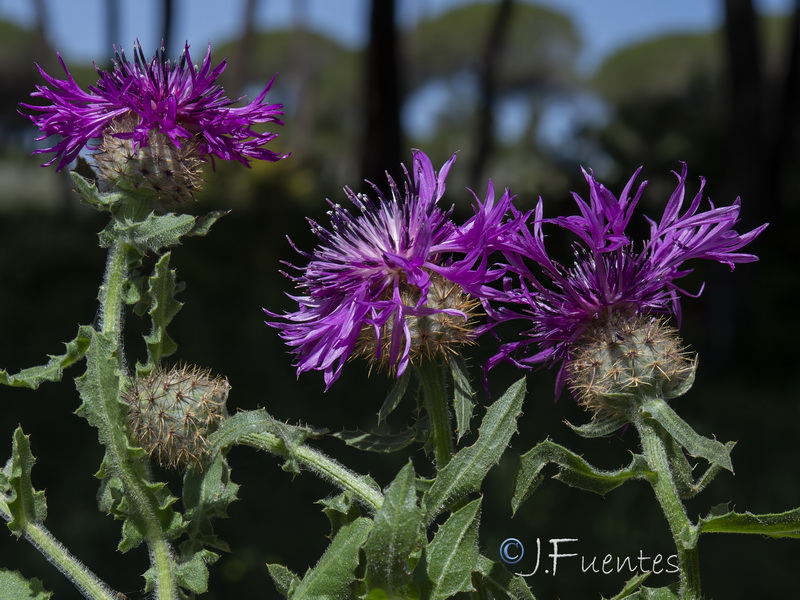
(610, 276)
(397, 270)
(177, 99)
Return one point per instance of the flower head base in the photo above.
(610, 276)
(171, 413)
(178, 102)
(623, 359)
(393, 282)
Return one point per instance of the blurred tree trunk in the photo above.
(381, 151)
(167, 11)
(112, 26)
(487, 93)
(241, 69)
(746, 108)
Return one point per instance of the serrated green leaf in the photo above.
(33, 377)
(87, 190)
(152, 234)
(25, 505)
(207, 495)
(695, 444)
(163, 308)
(501, 582)
(463, 395)
(341, 510)
(394, 396)
(646, 593)
(599, 428)
(13, 586)
(468, 468)
(203, 223)
(632, 585)
(721, 520)
(397, 532)
(331, 577)
(453, 554)
(192, 574)
(285, 580)
(378, 442)
(102, 407)
(573, 470)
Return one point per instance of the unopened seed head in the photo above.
(622, 359)
(171, 413)
(432, 336)
(161, 169)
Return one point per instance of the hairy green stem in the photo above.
(683, 531)
(54, 551)
(434, 391)
(134, 483)
(319, 463)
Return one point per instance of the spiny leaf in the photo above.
(99, 388)
(378, 442)
(163, 308)
(13, 586)
(335, 571)
(203, 223)
(33, 377)
(394, 396)
(453, 554)
(468, 468)
(573, 470)
(192, 572)
(722, 520)
(26, 505)
(152, 234)
(207, 495)
(397, 532)
(463, 394)
(87, 190)
(599, 428)
(285, 581)
(341, 510)
(501, 582)
(695, 444)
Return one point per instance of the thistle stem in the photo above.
(321, 464)
(683, 531)
(133, 476)
(434, 392)
(88, 583)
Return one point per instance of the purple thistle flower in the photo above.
(179, 100)
(609, 276)
(378, 274)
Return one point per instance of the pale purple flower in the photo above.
(611, 272)
(178, 99)
(368, 265)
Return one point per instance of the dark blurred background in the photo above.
(506, 84)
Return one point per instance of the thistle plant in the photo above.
(395, 281)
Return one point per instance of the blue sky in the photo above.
(76, 25)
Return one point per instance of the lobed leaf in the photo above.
(573, 470)
(335, 571)
(285, 580)
(378, 442)
(467, 469)
(453, 555)
(25, 505)
(695, 444)
(397, 532)
(463, 395)
(721, 520)
(13, 586)
(503, 584)
(162, 286)
(599, 428)
(33, 377)
(395, 395)
(87, 190)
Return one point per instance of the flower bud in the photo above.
(171, 413)
(161, 169)
(435, 335)
(622, 359)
